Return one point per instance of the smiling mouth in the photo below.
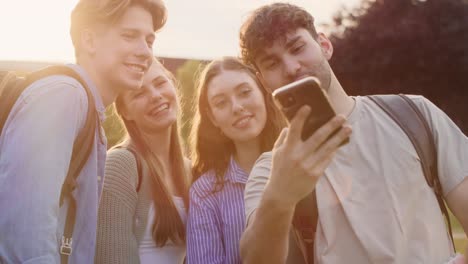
(137, 68)
(159, 109)
(242, 122)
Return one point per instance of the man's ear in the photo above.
(88, 38)
(325, 45)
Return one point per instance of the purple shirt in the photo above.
(216, 221)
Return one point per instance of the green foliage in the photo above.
(113, 127)
(405, 46)
(186, 75)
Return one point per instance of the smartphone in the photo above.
(306, 91)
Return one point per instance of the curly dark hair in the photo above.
(270, 23)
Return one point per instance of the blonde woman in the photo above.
(143, 208)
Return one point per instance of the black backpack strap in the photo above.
(305, 222)
(410, 119)
(11, 88)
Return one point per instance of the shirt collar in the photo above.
(92, 87)
(235, 173)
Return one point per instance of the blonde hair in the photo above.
(168, 224)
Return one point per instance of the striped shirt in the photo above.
(216, 221)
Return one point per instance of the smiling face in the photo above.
(153, 108)
(297, 56)
(122, 52)
(236, 105)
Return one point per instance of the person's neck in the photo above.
(104, 87)
(246, 153)
(342, 103)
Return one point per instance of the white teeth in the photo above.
(242, 122)
(136, 67)
(160, 108)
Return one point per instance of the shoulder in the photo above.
(203, 186)
(56, 85)
(121, 169)
(262, 165)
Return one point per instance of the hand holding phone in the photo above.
(307, 91)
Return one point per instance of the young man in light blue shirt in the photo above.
(113, 47)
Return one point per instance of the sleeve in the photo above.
(204, 235)
(116, 240)
(258, 179)
(451, 144)
(35, 152)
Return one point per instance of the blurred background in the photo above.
(380, 46)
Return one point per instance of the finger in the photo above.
(322, 134)
(297, 123)
(321, 165)
(281, 138)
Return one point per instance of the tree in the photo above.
(405, 46)
(113, 127)
(186, 75)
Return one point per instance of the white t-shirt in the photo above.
(170, 253)
(374, 203)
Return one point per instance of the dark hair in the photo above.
(270, 23)
(89, 13)
(167, 224)
(211, 150)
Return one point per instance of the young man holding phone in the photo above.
(374, 204)
(113, 45)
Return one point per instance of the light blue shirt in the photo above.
(35, 151)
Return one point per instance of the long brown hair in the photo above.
(167, 224)
(211, 150)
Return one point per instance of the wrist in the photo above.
(278, 202)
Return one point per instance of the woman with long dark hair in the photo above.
(235, 122)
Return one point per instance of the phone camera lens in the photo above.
(288, 101)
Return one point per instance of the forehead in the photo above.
(138, 18)
(227, 81)
(280, 44)
(154, 72)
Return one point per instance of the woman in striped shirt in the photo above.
(235, 122)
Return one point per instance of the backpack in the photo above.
(11, 87)
(410, 119)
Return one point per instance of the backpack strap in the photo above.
(410, 119)
(11, 88)
(305, 222)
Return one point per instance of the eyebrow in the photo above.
(289, 44)
(134, 30)
(237, 87)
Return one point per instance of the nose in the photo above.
(237, 107)
(143, 50)
(155, 95)
(292, 67)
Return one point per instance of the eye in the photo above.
(271, 64)
(245, 92)
(297, 48)
(128, 35)
(220, 103)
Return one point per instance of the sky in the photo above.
(37, 30)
